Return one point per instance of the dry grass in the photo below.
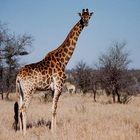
(78, 118)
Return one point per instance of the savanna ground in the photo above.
(78, 118)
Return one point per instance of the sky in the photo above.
(50, 21)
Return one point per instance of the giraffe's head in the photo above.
(85, 16)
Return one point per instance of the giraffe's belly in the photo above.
(42, 86)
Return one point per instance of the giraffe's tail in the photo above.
(16, 111)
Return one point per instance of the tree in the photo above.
(113, 68)
(81, 75)
(86, 78)
(94, 82)
(11, 47)
(1, 79)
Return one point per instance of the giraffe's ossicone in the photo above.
(48, 74)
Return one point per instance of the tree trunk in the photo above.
(1, 82)
(8, 81)
(94, 95)
(118, 95)
(7, 95)
(2, 95)
(113, 95)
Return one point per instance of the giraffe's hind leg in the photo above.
(22, 118)
(23, 110)
(20, 114)
(20, 121)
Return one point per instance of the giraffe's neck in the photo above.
(64, 52)
(69, 44)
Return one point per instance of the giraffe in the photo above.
(70, 87)
(48, 73)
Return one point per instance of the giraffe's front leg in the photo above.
(58, 85)
(54, 107)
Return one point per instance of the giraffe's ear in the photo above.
(80, 14)
(91, 14)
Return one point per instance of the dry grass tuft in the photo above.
(78, 118)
